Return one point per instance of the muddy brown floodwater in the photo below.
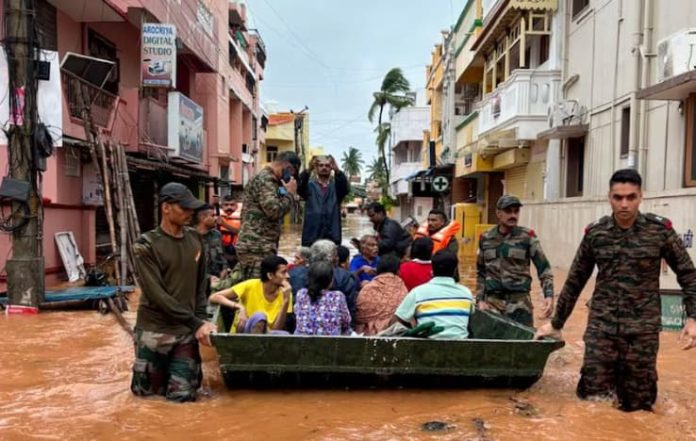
(66, 376)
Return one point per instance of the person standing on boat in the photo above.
(171, 268)
(623, 328)
(267, 198)
(392, 238)
(503, 274)
(440, 231)
(323, 187)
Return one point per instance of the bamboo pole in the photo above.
(122, 222)
(108, 204)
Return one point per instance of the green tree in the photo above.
(352, 162)
(376, 172)
(394, 93)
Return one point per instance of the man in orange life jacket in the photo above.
(229, 224)
(441, 232)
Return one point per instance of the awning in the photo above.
(563, 132)
(677, 88)
(420, 174)
(146, 164)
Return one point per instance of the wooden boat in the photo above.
(500, 353)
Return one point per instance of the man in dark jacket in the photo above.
(392, 238)
(323, 187)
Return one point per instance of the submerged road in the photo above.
(66, 376)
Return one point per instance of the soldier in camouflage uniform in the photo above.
(204, 221)
(622, 335)
(502, 266)
(171, 314)
(267, 198)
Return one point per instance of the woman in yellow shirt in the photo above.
(270, 295)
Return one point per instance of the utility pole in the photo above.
(25, 270)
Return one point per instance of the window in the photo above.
(625, 130)
(690, 147)
(575, 155)
(46, 25)
(579, 6)
(544, 48)
(271, 153)
(100, 47)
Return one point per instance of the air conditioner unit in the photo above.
(676, 54)
(565, 112)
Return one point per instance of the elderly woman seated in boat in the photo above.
(441, 301)
(319, 310)
(378, 300)
(343, 280)
(364, 265)
(271, 296)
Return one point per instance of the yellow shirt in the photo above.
(250, 293)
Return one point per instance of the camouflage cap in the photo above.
(508, 200)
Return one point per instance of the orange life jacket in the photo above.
(229, 236)
(442, 237)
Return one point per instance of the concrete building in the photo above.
(628, 100)
(285, 130)
(194, 132)
(601, 85)
(407, 128)
(508, 61)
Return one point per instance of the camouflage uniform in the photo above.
(166, 364)
(265, 204)
(171, 273)
(214, 253)
(622, 336)
(503, 277)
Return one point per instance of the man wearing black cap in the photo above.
(268, 197)
(171, 269)
(503, 275)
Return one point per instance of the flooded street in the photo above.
(66, 375)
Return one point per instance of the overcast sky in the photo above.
(330, 55)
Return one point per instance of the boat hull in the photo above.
(500, 354)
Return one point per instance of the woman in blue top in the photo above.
(364, 265)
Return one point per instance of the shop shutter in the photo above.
(516, 181)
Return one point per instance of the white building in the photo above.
(407, 126)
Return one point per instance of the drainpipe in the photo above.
(635, 117)
(619, 22)
(647, 54)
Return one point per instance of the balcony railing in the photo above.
(521, 102)
(101, 104)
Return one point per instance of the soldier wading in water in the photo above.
(623, 329)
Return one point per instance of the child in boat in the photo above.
(318, 309)
(270, 295)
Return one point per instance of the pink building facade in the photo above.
(219, 66)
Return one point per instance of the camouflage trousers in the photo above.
(516, 306)
(622, 367)
(168, 365)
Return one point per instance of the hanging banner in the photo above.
(158, 57)
(185, 126)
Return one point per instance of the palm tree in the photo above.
(352, 162)
(375, 171)
(395, 93)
